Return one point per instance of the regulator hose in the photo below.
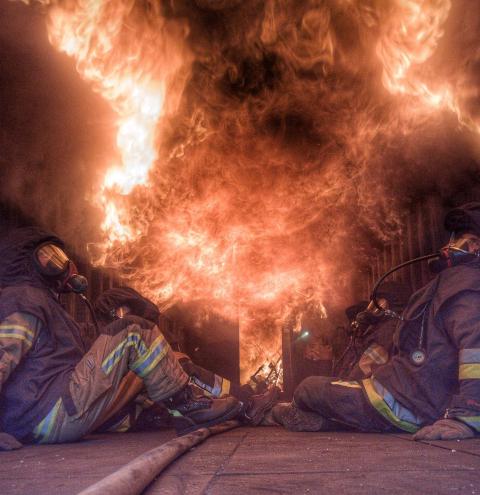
(373, 297)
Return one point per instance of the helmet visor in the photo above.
(51, 260)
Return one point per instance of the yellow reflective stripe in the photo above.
(216, 391)
(225, 387)
(118, 348)
(144, 365)
(472, 421)
(377, 353)
(382, 407)
(122, 426)
(114, 357)
(44, 428)
(145, 371)
(469, 371)
(342, 383)
(19, 328)
(15, 336)
(21, 332)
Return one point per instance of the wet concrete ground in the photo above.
(255, 460)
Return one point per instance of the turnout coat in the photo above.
(443, 320)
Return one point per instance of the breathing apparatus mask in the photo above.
(462, 250)
(371, 315)
(58, 270)
(61, 273)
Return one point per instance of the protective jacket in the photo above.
(447, 383)
(30, 391)
(40, 343)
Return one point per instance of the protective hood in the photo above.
(112, 299)
(16, 256)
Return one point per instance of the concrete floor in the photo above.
(255, 460)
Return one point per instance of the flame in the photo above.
(411, 35)
(410, 38)
(240, 180)
(132, 73)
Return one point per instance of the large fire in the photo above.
(241, 132)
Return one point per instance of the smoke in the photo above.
(54, 131)
(296, 134)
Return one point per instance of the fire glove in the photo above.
(8, 442)
(445, 429)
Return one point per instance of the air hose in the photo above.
(373, 297)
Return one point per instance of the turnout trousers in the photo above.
(342, 402)
(111, 374)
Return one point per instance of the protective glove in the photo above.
(8, 442)
(445, 429)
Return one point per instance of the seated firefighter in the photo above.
(431, 386)
(371, 333)
(51, 389)
(117, 303)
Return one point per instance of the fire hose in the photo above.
(134, 477)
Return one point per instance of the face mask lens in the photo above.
(464, 245)
(467, 244)
(51, 260)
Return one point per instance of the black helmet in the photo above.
(112, 299)
(465, 218)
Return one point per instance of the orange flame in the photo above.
(208, 223)
(130, 72)
(410, 38)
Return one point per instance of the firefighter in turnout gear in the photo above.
(431, 386)
(114, 304)
(52, 389)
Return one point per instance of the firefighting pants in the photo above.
(103, 371)
(212, 384)
(342, 402)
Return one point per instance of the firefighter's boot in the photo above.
(295, 419)
(258, 405)
(191, 411)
